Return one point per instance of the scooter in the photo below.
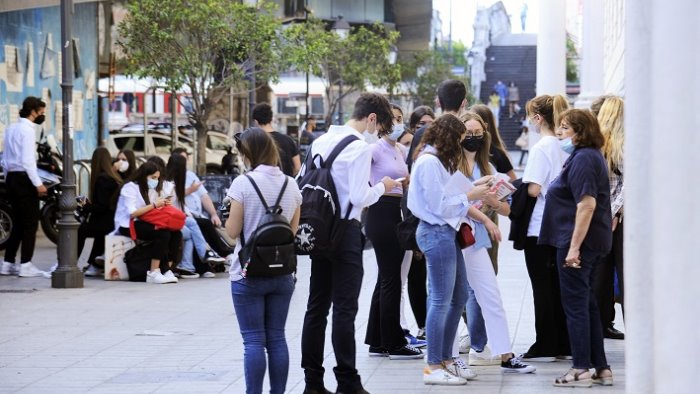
(50, 172)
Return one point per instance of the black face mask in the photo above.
(472, 144)
(39, 119)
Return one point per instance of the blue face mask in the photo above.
(567, 145)
(396, 132)
(152, 183)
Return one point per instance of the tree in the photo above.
(571, 60)
(207, 46)
(422, 73)
(357, 60)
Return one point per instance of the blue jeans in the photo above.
(194, 240)
(261, 306)
(447, 287)
(581, 310)
(475, 321)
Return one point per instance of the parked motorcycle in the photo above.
(50, 171)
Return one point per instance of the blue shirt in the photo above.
(585, 173)
(426, 198)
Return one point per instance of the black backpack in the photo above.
(138, 262)
(320, 225)
(270, 249)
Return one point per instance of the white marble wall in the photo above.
(614, 45)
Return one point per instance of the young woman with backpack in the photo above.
(137, 198)
(261, 302)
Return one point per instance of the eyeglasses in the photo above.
(476, 134)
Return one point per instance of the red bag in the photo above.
(165, 218)
(465, 238)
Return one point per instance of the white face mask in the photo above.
(396, 131)
(123, 165)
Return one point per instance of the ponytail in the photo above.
(559, 105)
(549, 107)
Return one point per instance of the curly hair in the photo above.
(444, 134)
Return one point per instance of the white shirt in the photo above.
(20, 150)
(426, 198)
(193, 201)
(130, 200)
(544, 163)
(269, 180)
(168, 190)
(350, 170)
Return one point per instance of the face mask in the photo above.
(123, 165)
(472, 144)
(567, 145)
(39, 119)
(396, 132)
(152, 183)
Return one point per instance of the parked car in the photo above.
(159, 143)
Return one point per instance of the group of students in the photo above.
(567, 239)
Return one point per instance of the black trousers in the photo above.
(552, 338)
(96, 227)
(417, 288)
(166, 245)
(336, 279)
(384, 324)
(604, 280)
(211, 235)
(24, 198)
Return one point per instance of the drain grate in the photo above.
(17, 290)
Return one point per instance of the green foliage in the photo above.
(207, 46)
(571, 61)
(358, 60)
(423, 72)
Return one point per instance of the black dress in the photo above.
(100, 216)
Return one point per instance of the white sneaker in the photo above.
(483, 358)
(465, 344)
(156, 277)
(208, 274)
(93, 271)
(9, 268)
(460, 368)
(170, 276)
(28, 270)
(441, 377)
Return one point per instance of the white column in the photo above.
(551, 48)
(662, 263)
(591, 53)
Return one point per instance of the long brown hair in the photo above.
(444, 134)
(482, 155)
(101, 164)
(256, 145)
(487, 116)
(176, 172)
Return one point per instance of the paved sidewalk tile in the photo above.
(121, 337)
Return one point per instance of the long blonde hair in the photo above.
(611, 120)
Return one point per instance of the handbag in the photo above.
(165, 218)
(406, 233)
(465, 237)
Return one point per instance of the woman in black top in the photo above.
(104, 190)
(126, 165)
(499, 156)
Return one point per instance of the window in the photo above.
(285, 105)
(162, 145)
(133, 143)
(317, 106)
(293, 8)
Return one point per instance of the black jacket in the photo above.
(521, 209)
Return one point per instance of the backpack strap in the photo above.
(284, 187)
(338, 148)
(257, 190)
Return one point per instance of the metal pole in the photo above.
(306, 21)
(251, 95)
(340, 102)
(67, 275)
(173, 118)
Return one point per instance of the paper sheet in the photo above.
(30, 64)
(458, 184)
(77, 113)
(14, 113)
(58, 119)
(13, 77)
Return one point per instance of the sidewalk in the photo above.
(121, 337)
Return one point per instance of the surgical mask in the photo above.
(396, 131)
(472, 144)
(152, 183)
(567, 145)
(123, 165)
(39, 119)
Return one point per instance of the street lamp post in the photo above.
(342, 29)
(67, 274)
(391, 57)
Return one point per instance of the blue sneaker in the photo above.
(415, 342)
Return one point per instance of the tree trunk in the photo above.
(201, 166)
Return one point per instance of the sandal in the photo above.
(603, 380)
(574, 378)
